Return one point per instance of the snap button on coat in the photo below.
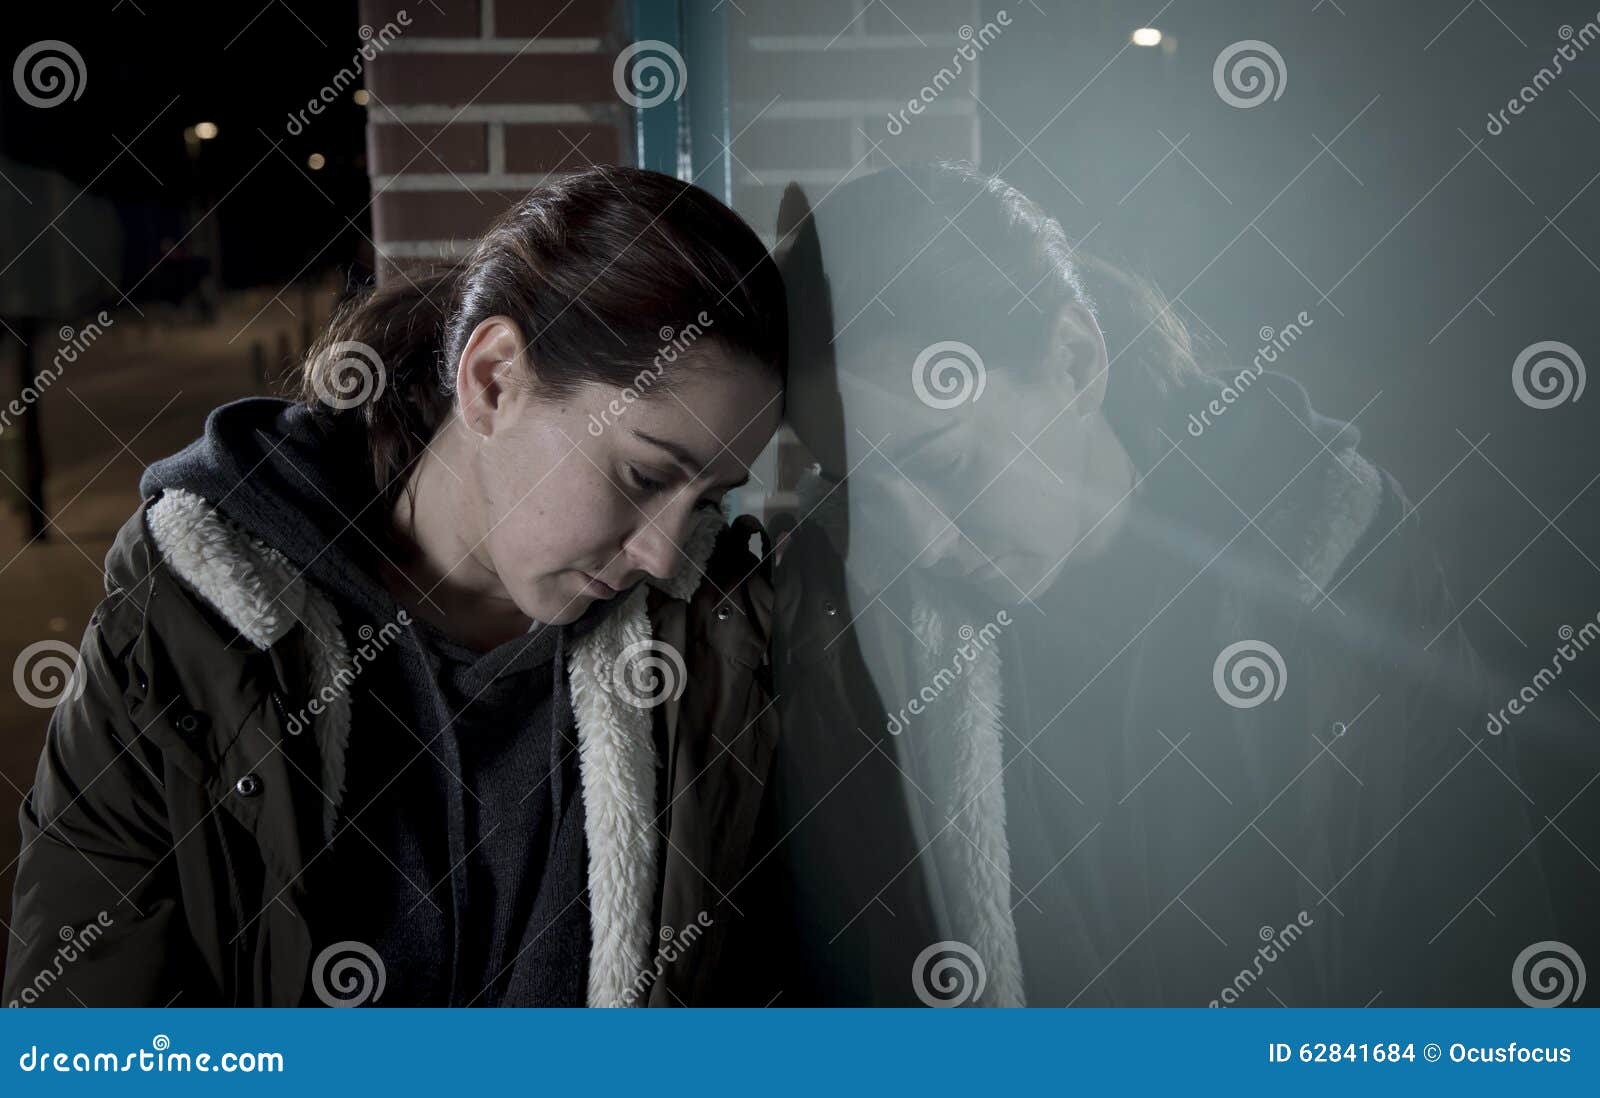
(247, 786)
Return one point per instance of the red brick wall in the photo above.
(477, 102)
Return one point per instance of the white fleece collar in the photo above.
(260, 593)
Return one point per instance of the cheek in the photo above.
(574, 518)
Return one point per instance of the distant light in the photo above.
(360, 96)
(315, 162)
(1147, 36)
(205, 131)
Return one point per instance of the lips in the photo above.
(606, 589)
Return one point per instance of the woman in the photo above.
(441, 685)
(1126, 666)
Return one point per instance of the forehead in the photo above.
(720, 411)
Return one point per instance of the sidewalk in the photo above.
(141, 391)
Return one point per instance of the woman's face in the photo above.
(584, 497)
(991, 487)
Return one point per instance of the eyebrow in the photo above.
(693, 465)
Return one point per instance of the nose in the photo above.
(657, 546)
(945, 544)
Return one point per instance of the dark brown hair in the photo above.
(599, 270)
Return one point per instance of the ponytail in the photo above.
(380, 359)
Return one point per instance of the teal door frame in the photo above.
(685, 135)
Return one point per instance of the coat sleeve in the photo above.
(96, 916)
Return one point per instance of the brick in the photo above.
(542, 147)
(557, 18)
(461, 147)
(458, 78)
(437, 215)
(429, 18)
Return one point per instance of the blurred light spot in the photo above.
(1147, 36)
(58, 625)
(315, 161)
(360, 96)
(205, 131)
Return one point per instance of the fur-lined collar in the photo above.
(259, 592)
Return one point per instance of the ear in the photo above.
(1078, 348)
(485, 388)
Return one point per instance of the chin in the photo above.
(557, 608)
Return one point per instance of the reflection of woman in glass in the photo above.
(1110, 672)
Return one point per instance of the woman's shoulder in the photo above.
(179, 568)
